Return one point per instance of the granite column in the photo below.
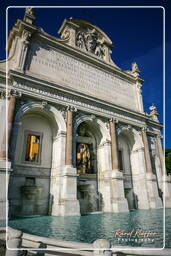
(146, 151)
(70, 204)
(152, 186)
(8, 100)
(118, 200)
(114, 152)
(160, 153)
(68, 157)
(11, 101)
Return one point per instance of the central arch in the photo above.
(90, 138)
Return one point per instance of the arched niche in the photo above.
(49, 114)
(97, 130)
(131, 153)
(93, 133)
(47, 124)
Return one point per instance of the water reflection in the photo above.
(88, 228)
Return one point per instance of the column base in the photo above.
(4, 165)
(4, 179)
(140, 191)
(69, 207)
(155, 201)
(69, 204)
(118, 200)
(105, 190)
(3, 207)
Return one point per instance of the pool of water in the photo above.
(88, 228)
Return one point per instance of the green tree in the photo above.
(168, 160)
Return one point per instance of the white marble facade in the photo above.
(66, 93)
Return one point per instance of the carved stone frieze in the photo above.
(54, 96)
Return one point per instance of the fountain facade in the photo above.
(77, 128)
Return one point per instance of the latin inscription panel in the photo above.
(79, 76)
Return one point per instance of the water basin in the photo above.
(88, 228)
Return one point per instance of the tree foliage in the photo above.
(168, 160)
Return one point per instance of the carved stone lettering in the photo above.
(81, 77)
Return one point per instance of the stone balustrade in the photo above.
(36, 245)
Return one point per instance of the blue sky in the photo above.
(137, 34)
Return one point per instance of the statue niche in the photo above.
(85, 151)
(83, 159)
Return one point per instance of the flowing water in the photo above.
(88, 228)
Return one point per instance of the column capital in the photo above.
(159, 136)
(71, 108)
(113, 120)
(9, 93)
(144, 129)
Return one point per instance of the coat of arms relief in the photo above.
(88, 40)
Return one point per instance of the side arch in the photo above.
(49, 111)
(137, 172)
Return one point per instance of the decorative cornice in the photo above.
(48, 91)
(62, 99)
